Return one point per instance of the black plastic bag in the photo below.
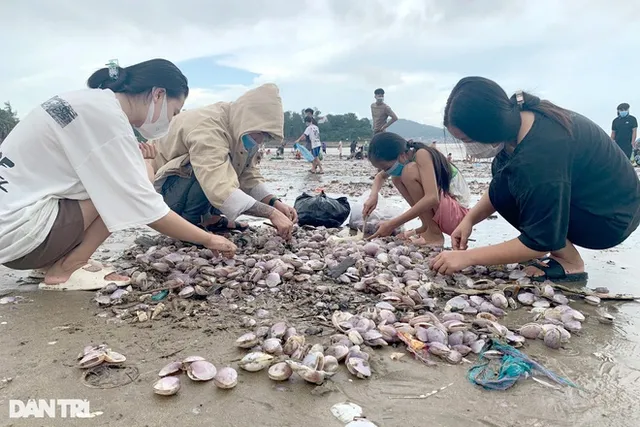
(322, 210)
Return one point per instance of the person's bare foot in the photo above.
(569, 267)
(434, 240)
(62, 270)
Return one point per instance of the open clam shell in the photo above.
(255, 361)
(359, 367)
(247, 340)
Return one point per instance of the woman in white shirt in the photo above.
(73, 173)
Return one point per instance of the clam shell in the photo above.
(499, 300)
(201, 370)
(170, 369)
(247, 340)
(331, 364)
(453, 316)
(280, 372)
(355, 337)
(272, 346)
(453, 357)
(531, 330)
(436, 335)
(526, 298)
(371, 248)
(114, 357)
(359, 367)
(187, 292)
(438, 349)
(255, 361)
(272, 280)
(462, 349)
(456, 338)
(226, 378)
(190, 359)
(167, 386)
(278, 330)
(338, 351)
(552, 338)
(477, 346)
(592, 299)
(91, 359)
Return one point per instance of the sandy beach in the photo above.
(42, 333)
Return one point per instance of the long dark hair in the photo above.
(141, 78)
(481, 109)
(387, 146)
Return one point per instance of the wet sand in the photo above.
(43, 334)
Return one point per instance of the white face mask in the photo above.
(483, 151)
(159, 128)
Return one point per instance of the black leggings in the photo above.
(185, 197)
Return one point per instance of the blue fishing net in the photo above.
(501, 374)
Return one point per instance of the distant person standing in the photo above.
(624, 129)
(309, 113)
(324, 147)
(312, 134)
(340, 149)
(449, 158)
(380, 113)
(354, 145)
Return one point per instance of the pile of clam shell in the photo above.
(94, 355)
(387, 282)
(197, 369)
(285, 352)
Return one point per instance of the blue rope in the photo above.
(501, 374)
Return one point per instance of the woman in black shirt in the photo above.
(557, 177)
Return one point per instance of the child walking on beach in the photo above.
(312, 134)
(424, 177)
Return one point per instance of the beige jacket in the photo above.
(208, 142)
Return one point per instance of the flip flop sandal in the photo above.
(91, 277)
(554, 271)
(222, 226)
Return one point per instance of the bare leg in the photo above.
(95, 233)
(568, 257)
(430, 232)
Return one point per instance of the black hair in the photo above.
(308, 110)
(481, 109)
(387, 146)
(378, 91)
(308, 120)
(623, 107)
(142, 78)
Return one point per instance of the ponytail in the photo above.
(141, 78)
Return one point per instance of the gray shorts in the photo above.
(67, 233)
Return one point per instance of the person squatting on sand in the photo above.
(426, 180)
(206, 166)
(73, 173)
(557, 178)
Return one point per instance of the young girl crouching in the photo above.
(425, 179)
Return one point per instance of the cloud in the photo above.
(332, 53)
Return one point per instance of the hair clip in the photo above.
(519, 98)
(113, 68)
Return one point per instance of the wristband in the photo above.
(273, 201)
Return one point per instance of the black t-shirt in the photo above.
(623, 127)
(551, 172)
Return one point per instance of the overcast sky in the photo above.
(332, 54)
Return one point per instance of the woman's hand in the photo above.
(460, 235)
(219, 244)
(148, 150)
(370, 205)
(287, 210)
(450, 262)
(282, 224)
(385, 228)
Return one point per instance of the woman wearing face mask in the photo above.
(424, 178)
(73, 174)
(557, 178)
